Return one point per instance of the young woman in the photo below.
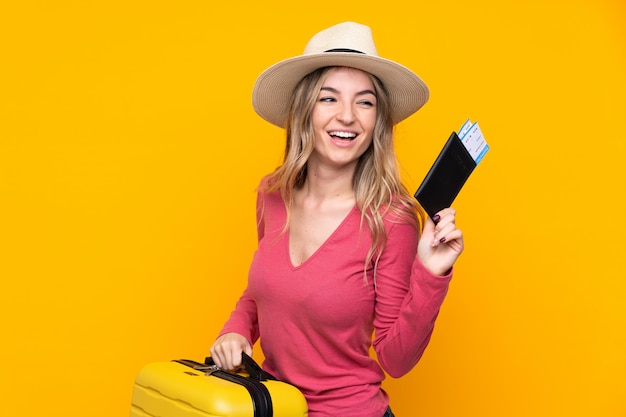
(346, 258)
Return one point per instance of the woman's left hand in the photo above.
(441, 243)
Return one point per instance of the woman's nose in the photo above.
(345, 114)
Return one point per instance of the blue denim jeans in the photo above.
(388, 413)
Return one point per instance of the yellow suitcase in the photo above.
(185, 388)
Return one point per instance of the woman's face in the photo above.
(343, 118)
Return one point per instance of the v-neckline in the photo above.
(319, 249)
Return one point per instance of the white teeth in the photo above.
(345, 135)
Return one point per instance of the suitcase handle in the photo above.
(255, 371)
(252, 368)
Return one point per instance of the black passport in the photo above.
(446, 177)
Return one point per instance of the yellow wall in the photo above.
(129, 154)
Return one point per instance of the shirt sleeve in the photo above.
(408, 300)
(244, 319)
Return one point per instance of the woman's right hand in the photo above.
(226, 351)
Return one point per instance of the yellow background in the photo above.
(129, 155)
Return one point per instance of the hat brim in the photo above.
(273, 88)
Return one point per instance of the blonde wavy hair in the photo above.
(376, 182)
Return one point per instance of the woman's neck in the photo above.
(327, 184)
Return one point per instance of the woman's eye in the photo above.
(327, 99)
(366, 103)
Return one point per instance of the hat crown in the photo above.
(347, 36)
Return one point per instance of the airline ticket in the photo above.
(473, 140)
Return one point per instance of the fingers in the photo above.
(226, 351)
(445, 229)
(441, 242)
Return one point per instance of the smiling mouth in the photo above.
(343, 135)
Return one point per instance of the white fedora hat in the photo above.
(347, 44)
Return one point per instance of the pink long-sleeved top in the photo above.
(317, 320)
